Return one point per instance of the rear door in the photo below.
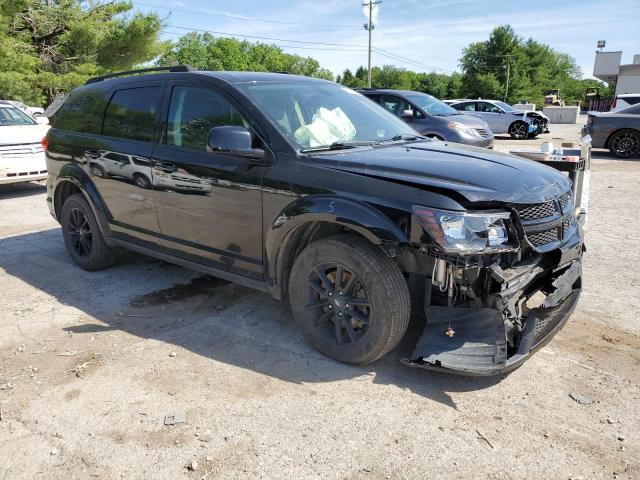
(130, 128)
(493, 115)
(209, 204)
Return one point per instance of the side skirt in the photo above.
(216, 272)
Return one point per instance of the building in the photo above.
(625, 77)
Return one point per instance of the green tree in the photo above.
(206, 52)
(47, 46)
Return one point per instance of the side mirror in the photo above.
(40, 120)
(233, 140)
(407, 114)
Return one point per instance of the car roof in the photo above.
(627, 95)
(389, 90)
(226, 76)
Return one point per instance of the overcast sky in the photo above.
(427, 34)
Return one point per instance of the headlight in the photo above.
(459, 127)
(466, 233)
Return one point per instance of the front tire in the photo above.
(350, 300)
(519, 130)
(142, 181)
(82, 236)
(625, 144)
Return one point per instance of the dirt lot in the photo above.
(92, 363)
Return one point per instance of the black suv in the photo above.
(303, 188)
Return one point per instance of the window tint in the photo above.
(193, 112)
(117, 157)
(81, 113)
(465, 107)
(488, 108)
(131, 114)
(395, 105)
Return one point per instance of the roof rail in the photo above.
(174, 68)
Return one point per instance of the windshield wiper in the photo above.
(405, 138)
(337, 146)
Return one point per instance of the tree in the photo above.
(206, 52)
(47, 46)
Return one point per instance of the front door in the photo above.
(209, 204)
(493, 115)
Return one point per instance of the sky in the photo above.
(420, 35)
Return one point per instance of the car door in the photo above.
(398, 106)
(130, 128)
(493, 115)
(209, 204)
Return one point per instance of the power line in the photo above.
(412, 47)
(242, 17)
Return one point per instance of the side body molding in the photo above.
(74, 174)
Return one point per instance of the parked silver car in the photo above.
(503, 118)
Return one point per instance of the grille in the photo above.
(8, 151)
(564, 200)
(545, 324)
(482, 132)
(544, 237)
(536, 210)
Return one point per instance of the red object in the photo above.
(613, 105)
(45, 143)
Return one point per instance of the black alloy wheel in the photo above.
(350, 300)
(625, 144)
(340, 303)
(519, 130)
(80, 233)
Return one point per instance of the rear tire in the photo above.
(519, 130)
(625, 143)
(82, 236)
(350, 300)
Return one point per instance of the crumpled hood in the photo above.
(16, 134)
(477, 174)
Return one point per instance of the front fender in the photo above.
(74, 174)
(362, 218)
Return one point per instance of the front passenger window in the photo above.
(193, 112)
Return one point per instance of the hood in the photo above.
(479, 175)
(469, 120)
(16, 134)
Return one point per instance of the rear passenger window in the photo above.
(131, 114)
(81, 113)
(193, 112)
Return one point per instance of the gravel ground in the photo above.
(93, 364)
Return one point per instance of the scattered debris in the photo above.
(6, 386)
(484, 438)
(220, 307)
(621, 438)
(175, 418)
(173, 354)
(54, 451)
(581, 399)
(193, 466)
(69, 354)
(133, 315)
(21, 347)
(206, 436)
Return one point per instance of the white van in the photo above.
(625, 100)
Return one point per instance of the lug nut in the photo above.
(330, 307)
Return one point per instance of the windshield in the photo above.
(317, 115)
(432, 105)
(12, 116)
(505, 106)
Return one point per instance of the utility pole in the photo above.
(369, 27)
(506, 90)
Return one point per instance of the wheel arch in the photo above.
(312, 218)
(73, 179)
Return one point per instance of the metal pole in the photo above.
(369, 27)
(506, 90)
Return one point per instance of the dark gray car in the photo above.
(618, 131)
(433, 118)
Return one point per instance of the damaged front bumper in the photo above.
(528, 305)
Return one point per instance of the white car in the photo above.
(625, 100)
(33, 111)
(21, 154)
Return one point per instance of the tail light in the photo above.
(45, 143)
(613, 105)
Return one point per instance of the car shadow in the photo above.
(17, 190)
(207, 316)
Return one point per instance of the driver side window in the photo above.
(193, 112)
(397, 105)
